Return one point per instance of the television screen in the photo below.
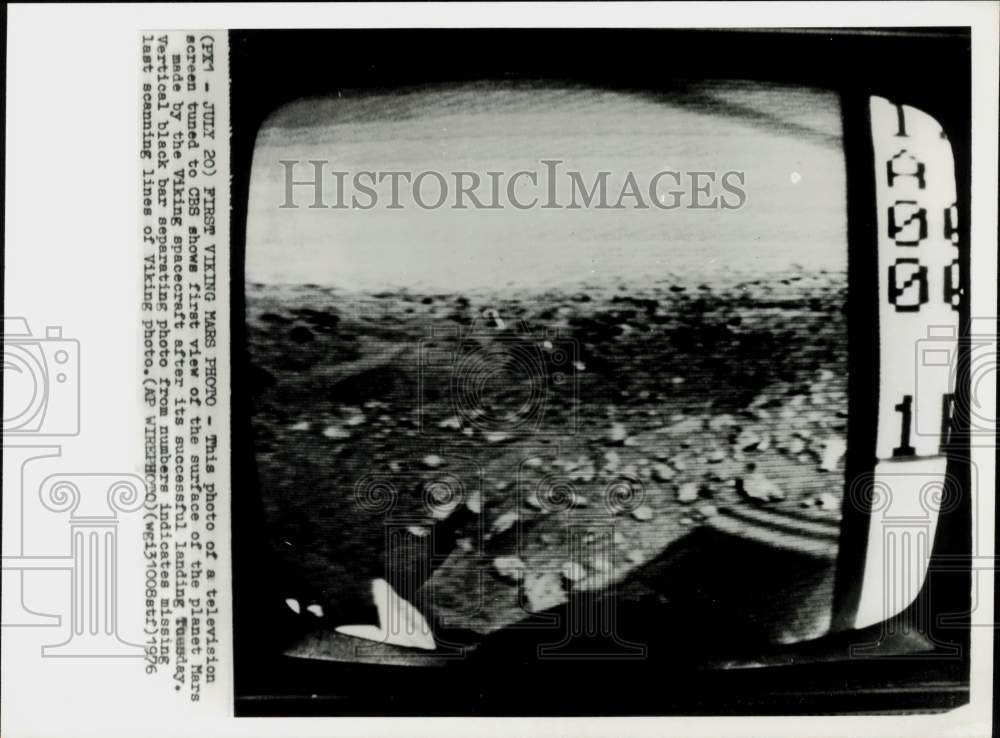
(543, 368)
(492, 391)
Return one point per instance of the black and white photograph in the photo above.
(492, 368)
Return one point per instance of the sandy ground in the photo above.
(493, 454)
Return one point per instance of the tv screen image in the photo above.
(492, 381)
(547, 370)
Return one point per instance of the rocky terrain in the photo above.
(491, 454)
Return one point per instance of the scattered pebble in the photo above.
(544, 592)
(684, 426)
(833, 450)
(688, 492)
(643, 513)
(419, 531)
(505, 521)
(474, 502)
(300, 426)
(293, 605)
(635, 557)
(749, 440)
(794, 446)
(617, 433)
(432, 461)
(336, 432)
(509, 567)
(715, 456)
(316, 610)
(758, 487)
(355, 420)
(721, 422)
(497, 436)
(452, 423)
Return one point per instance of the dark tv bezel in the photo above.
(929, 69)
